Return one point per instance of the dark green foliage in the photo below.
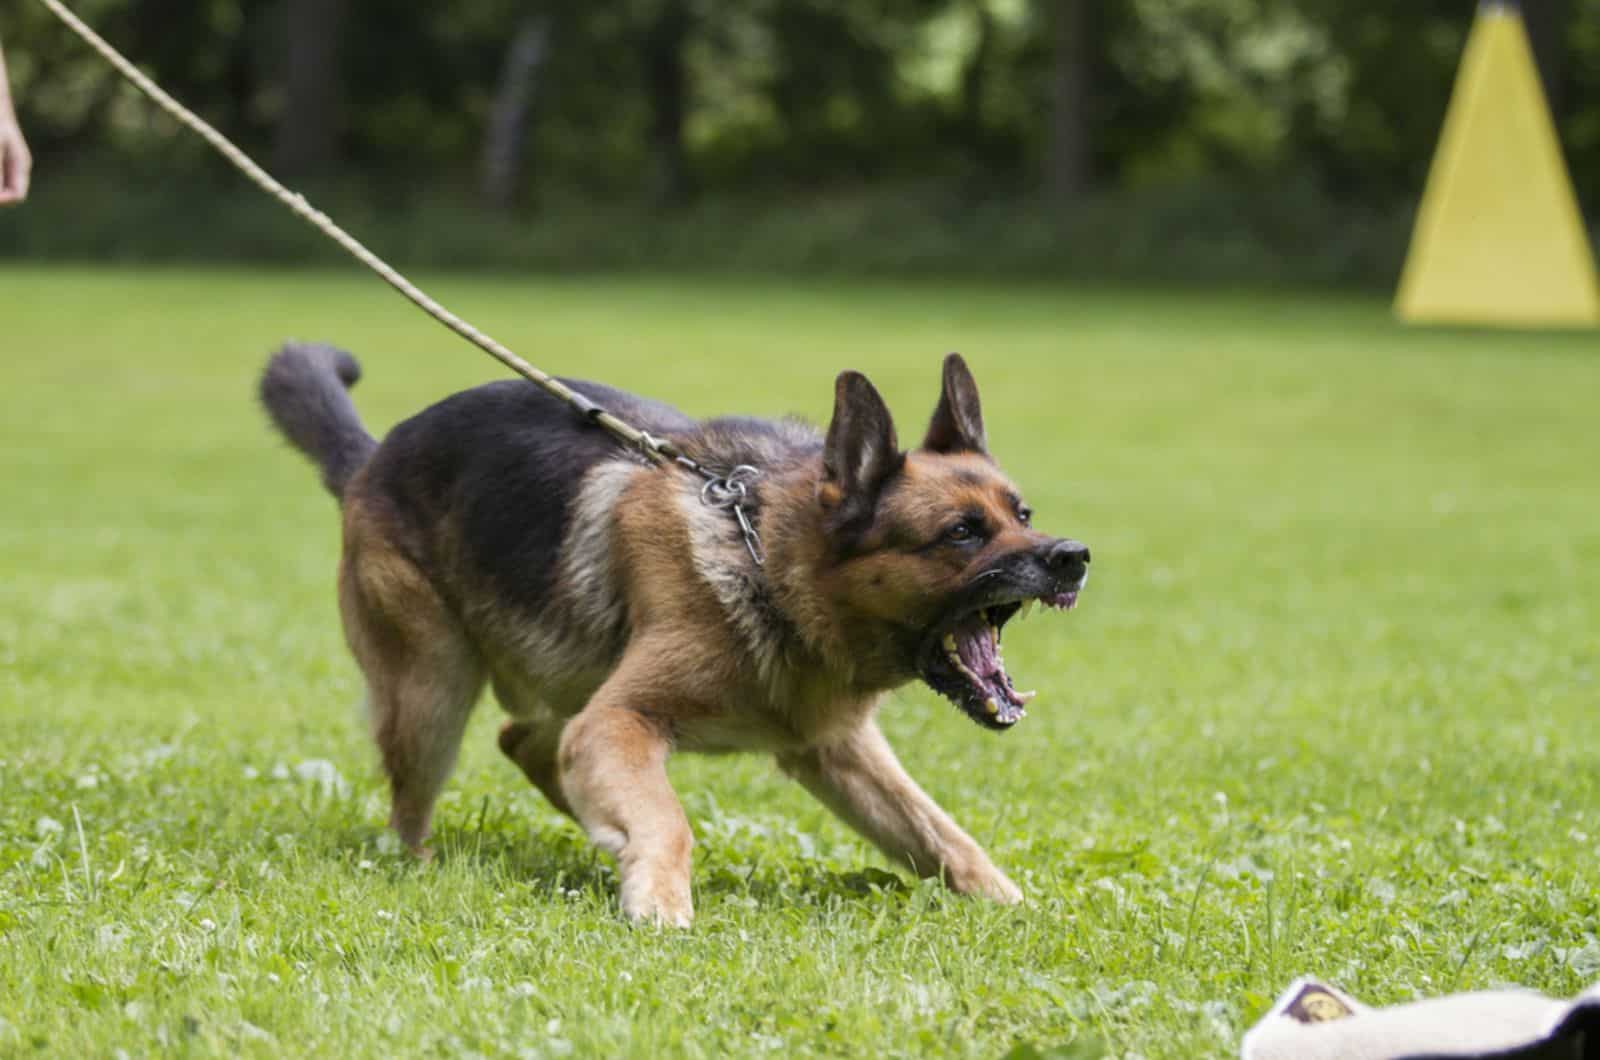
(1207, 229)
(1239, 136)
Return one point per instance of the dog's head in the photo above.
(935, 549)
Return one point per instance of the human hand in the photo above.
(16, 163)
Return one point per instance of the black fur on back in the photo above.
(501, 464)
(305, 391)
(506, 459)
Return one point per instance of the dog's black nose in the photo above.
(1068, 559)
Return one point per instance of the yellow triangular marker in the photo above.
(1499, 239)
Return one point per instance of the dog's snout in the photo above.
(1068, 560)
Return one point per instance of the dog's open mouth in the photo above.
(963, 662)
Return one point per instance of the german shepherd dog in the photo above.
(499, 536)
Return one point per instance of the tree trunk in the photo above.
(1547, 26)
(1067, 162)
(308, 131)
(504, 144)
(667, 82)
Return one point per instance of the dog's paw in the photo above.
(986, 882)
(657, 903)
(1002, 890)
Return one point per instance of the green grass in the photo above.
(1328, 705)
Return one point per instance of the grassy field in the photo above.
(1328, 705)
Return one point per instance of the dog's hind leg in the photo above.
(860, 779)
(531, 743)
(423, 676)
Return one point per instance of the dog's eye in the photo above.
(961, 532)
(1025, 516)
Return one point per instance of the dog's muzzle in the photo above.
(961, 657)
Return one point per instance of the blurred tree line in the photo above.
(531, 106)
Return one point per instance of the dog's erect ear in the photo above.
(957, 424)
(861, 451)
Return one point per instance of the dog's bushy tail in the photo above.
(305, 391)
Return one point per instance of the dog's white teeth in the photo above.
(994, 634)
(950, 643)
(1027, 609)
(1027, 697)
(991, 706)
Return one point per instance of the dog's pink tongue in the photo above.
(977, 647)
(980, 655)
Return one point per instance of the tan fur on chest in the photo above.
(733, 673)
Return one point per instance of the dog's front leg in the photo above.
(860, 779)
(613, 773)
